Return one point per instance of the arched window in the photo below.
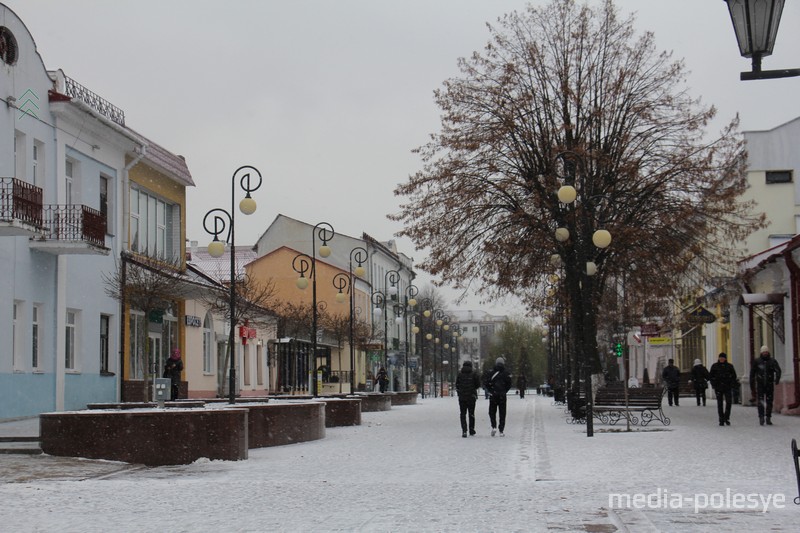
(8, 46)
(208, 344)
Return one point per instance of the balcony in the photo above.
(72, 229)
(20, 208)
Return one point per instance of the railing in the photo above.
(99, 104)
(75, 223)
(20, 201)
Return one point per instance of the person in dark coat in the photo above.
(467, 385)
(700, 381)
(723, 378)
(383, 379)
(497, 382)
(172, 370)
(672, 378)
(765, 373)
(522, 384)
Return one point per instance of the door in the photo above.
(156, 354)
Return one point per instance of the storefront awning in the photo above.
(762, 298)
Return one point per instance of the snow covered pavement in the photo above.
(409, 469)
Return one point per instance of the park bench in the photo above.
(576, 407)
(609, 405)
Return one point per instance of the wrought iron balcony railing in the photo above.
(99, 104)
(74, 223)
(20, 201)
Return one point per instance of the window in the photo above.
(35, 338)
(208, 344)
(104, 199)
(105, 322)
(9, 51)
(153, 222)
(69, 355)
(779, 176)
(69, 171)
(137, 329)
(38, 164)
(20, 155)
(16, 337)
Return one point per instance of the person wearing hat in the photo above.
(172, 370)
(765, 373)
(700, 381)
(723, 378)
(467, 385)
(497, 382)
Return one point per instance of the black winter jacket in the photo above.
(722, 376)
(700, 377)
(765, 372)
(671, 376)
(467, 384)
(497, 381)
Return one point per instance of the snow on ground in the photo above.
(408, 469)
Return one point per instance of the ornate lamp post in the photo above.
(390, 280)
(425, 312)
(216, 248)
(379, 301)
(360, 256)
(403, 312)
(755, 23)
(578, 258)
(303, 264)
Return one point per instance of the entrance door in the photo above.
(156, 354)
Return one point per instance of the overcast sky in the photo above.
(328, 98)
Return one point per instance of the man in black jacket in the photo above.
(467, 385)
(723, 378)
(672, 378)
(765, 373)
(497, 382)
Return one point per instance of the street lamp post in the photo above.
(360, 256)
(755, 23)
(573, 236)
(216, 248)
(408, 308)
(301, 264)
(425, 312)
(379, 301)
(390, 280)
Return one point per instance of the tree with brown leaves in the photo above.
(569, 95)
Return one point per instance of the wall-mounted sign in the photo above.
(193, 321)
(701, 315)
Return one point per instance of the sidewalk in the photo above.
(408, 469)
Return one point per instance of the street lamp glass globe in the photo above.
(601, 238)
(436, 340)
(377, 311)
(398, 320)
(302, 282)
(447, 346)
(562, 234)
(591, 268)
(216, 248)
(392, 290)
(324, 250)
(439, 322)
(340, 297)
(567, 194)
(446, 327)
(428, 336)
(360, 271)
(555, 260)
(415, 330)
(427, 313)
(247, 206)
(412, 302)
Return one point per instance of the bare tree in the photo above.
(254, 300)
(150, 286)
(337, 326)
(570, 95)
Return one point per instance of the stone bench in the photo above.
(285, 422)
(181, 404)
(404, 398)
(154, 437)
(342, 412)
(375, 401)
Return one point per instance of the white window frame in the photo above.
(38, 159)
(36, 337)
(152, 221)
(209, 345)
(137, 323)
(16, 336)
(105, 344)
(71, 345)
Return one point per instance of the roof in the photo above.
(163, 159)
(219, 268)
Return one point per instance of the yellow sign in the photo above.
(659, 340)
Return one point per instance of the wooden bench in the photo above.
(576, 407)
(609, 405)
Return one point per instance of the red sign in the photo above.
(246, 333)
(649, 330)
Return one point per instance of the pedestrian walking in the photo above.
(172, 370)
(522, 384)
(497, 382)
(723, 378)
(700, 381)
(467, 385)
(383, 379)
(765, 373)
(672, 378)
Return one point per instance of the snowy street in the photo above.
(409, 469)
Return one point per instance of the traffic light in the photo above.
(618, 349)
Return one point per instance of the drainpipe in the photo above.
(794, 285)
(125, 216)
